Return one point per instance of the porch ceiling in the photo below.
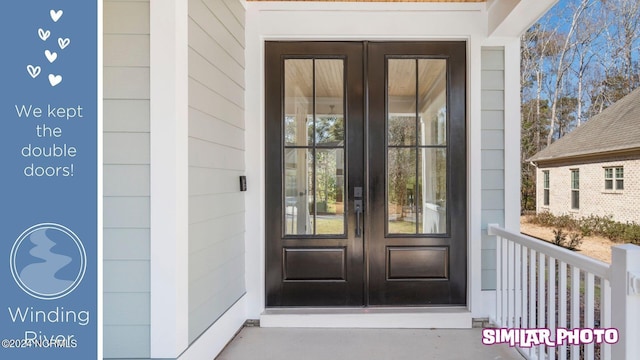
(468, 1)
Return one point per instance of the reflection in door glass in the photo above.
(417, 146)
(432, 191)
(402, 102)
(298, 191)
(329, 191)
(298, 102)
(401, 178)
(314, 147)
(432, 100)
(329, 84)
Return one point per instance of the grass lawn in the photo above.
(335, 225)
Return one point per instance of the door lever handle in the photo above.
(357, 204)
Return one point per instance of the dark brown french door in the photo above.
(365, 174)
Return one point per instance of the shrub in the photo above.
(559, 237)
(545, 219)
(587, 226)
(632, 233)
(575, 240)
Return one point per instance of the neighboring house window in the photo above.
(575, 189)
(545, 185)
(614, 178)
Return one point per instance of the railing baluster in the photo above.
(589, 308)
(517, 291)
(562, 305)
(533, 292)
(605, 315)
(575, 308)
(505, 286)
(511, 285)
(499, 267)
(532, 296)
(525, 287)
(551, 313)
(541, 298)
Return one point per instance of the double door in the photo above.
(365, 174)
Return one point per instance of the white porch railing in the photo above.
(543, 286)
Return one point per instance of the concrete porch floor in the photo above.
(254, 343)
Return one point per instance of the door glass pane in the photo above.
(401, 184)
(432, 191)
(432, 100)
(314, 129)
(329, 83)
(329, 193)
(401, 101)
(298, 191)
(417, 146)
(298, 102)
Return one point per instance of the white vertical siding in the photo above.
(216, 160)
(492, 157)
(126, 179)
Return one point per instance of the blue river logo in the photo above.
(48, 261)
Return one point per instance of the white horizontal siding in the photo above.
(221, 277)
(126, 212)
(126, 244)
(492, 199)
(207, 207)
(126, 50)
(211, 24)
(116, 314)
(126, 341)
(492, 154)
(209, 259)
(126, 116)
(212, 103)
(237, 9)
(208, 128)
(493, 139)
(492, 159)
(215, 54)
(126, 179)
(122, 148)
(492, 100)
(125, 17)
(126, 83)
(492, 179)
(127, 276)
(492, 120)
(205, 181)
(222, 12)
(216, 160)
(200, 155)
(214, 230)
(208, 75)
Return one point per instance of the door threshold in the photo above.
(380, 318)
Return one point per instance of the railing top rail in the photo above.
(596, 267)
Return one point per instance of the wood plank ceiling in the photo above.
(383, 0)
(466, 1)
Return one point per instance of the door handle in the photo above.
(359, 208)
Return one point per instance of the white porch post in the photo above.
(512, 133)
(169, 332)
(625, 304)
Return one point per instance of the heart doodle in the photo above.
(55, 15)
(63, 43)
(44, 35)
(51, 56)
(55, 79)
(34, 71)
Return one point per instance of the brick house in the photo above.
(596, 168)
